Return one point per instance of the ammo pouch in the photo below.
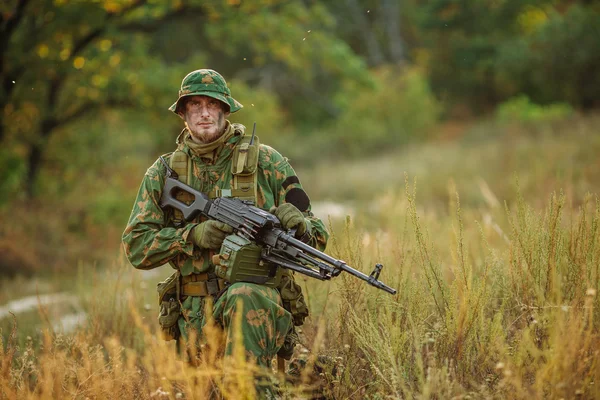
(244, 164)
(292, 297)
(239, 261)
(169, 306)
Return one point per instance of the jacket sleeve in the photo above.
(147, 242)
(287, 189)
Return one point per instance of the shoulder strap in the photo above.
(180, 163)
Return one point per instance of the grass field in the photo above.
(491, 240)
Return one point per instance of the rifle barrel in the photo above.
(339, 264)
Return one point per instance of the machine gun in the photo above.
(258, 245)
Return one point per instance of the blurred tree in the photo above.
(462, 38)
(372, 28)
(400, 109)
(61, 61)
(286, 47)
(64, 61)
(482, 53)
(556, 57)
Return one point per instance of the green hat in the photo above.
(206, 82)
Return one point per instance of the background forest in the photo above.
(456, 141)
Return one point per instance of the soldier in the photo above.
(218, 158)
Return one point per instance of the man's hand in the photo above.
(210, 234)
(290, 217)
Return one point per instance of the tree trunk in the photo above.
(391, 11)
(375, 55)
(35, 156)
(33, 168)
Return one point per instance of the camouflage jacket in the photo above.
(149, 239)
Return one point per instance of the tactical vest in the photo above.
(244, 169)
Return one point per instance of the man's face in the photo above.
(205, 118)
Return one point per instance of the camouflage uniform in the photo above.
(151, 240)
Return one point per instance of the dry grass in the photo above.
(475, 320)
(493, 301)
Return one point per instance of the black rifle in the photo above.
(251, 222)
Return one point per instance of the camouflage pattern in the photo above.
(149, 242)
(206, 82)
(264, 323)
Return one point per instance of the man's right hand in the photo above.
(210, 234)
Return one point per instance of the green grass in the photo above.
(480, 165)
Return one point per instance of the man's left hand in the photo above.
(290, 217)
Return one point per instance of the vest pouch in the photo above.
(169, 307)
(292, 297)
(245, 157)
(239, 261)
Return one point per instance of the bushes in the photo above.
(521, 109)
(557, 60)
(400, 108)
(12, 169)
(262, 107)
(397, 109)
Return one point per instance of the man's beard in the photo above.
(209, 137)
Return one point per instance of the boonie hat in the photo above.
(206, 82)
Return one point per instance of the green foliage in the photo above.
(66, 61)
(109, 207)
(482, 53)
(483, 308)
(288, 48)
(11, 174)
(555, 60)
(262, 107)
(69, 61)
(521, 109)
(401, 108)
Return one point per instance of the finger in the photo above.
(214, 245)
(282, 209)
(219, 235)
(289, 207)
(284, 214)
(296, 220)
(219, 226)
(223, 227)
(215, 242)
(292, 219)
(285, 219)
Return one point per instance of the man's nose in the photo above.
(204, 110)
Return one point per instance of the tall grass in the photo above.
(514, 320)
(494, 301)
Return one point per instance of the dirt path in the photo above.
(66, 323)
